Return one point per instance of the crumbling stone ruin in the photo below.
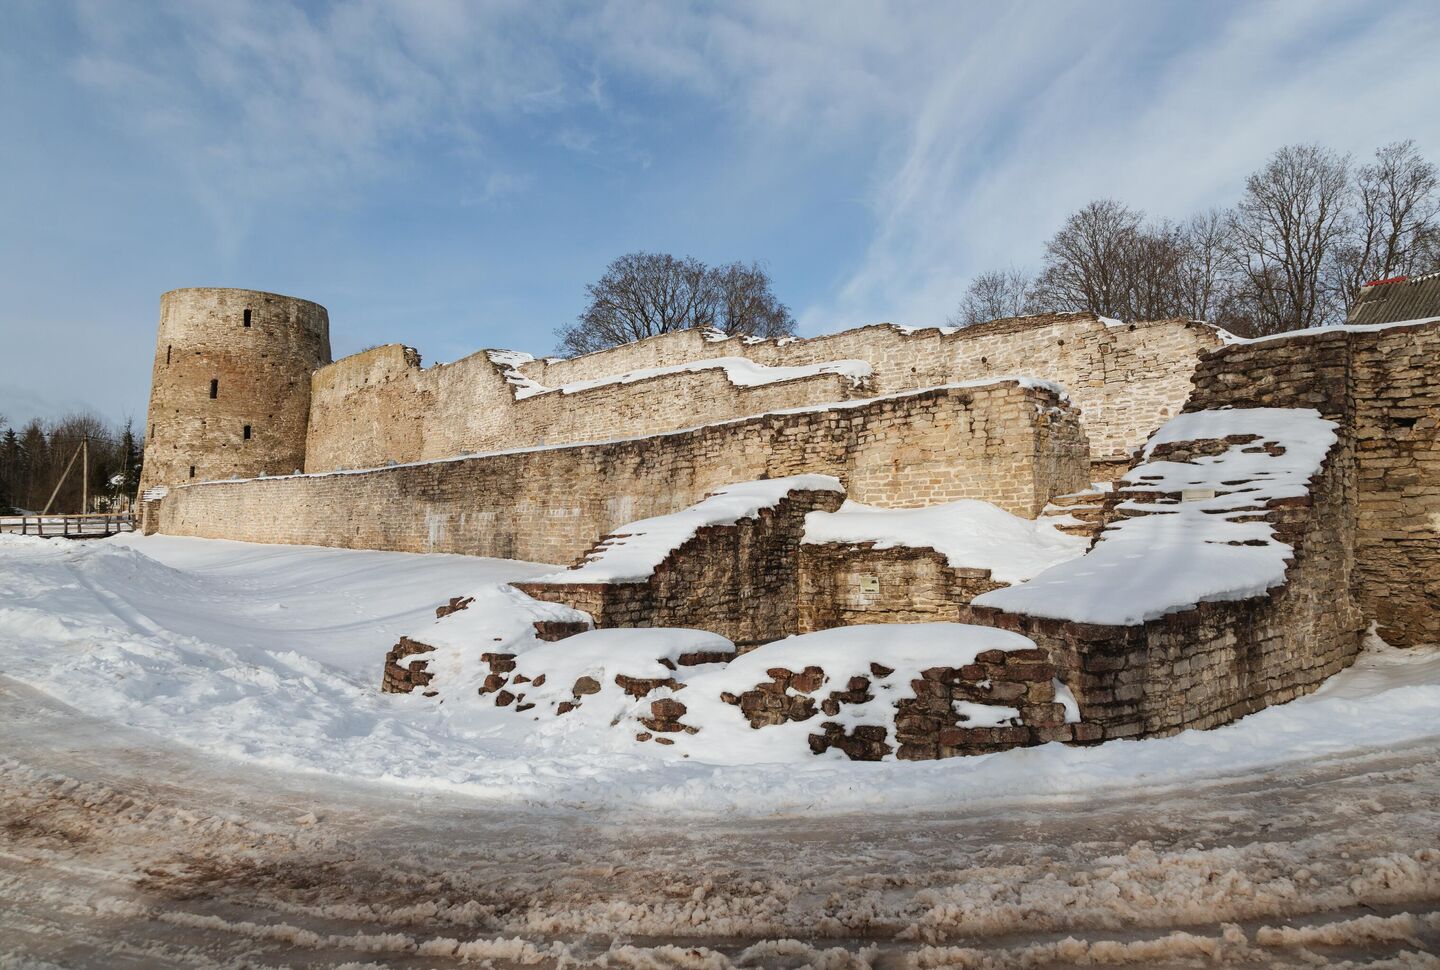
(1250, 508)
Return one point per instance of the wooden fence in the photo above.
(90, 526)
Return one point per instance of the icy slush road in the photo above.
(121, 850)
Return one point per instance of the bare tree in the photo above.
(1202, 276)
(747, 305)
(645, 294)
(1285, 233)
(1396, 228)
(1085, 260)
(1150, 272)
(994, 295)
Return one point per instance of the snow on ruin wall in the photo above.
(1380, 384)
(737, 579)
(1366, 545)
(1007, 442)
(380, 405)
(1214, 663)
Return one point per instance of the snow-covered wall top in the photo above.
(740, 371)
(970, 534)
(1195, 532)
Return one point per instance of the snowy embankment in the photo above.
(272, 654)
(970, 535)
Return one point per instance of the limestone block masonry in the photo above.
(1366, 544)
(1009, 443)
(381, 405)
(844, 584)
(230, 389)
(738, 580)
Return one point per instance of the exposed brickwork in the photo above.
(1365, 542)
(1210, 665)
(1381, 386)
(739, 581)
(1127, 379)
(261, 376)
(843, 584)
(930, 720)
(381, 406)
(1005, 443)
(401, 677)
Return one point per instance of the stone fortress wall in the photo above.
(230, 388)
(382, 405)
(1006, 442)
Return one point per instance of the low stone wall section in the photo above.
(1219, 661)
(844, 584)
(1006, 443)
(739, 580)
(1366, 544)
(1383, 385)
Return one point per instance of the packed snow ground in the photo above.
(272, 654)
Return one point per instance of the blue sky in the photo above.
(450, 175)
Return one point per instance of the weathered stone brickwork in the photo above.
(230, 388)
(739, 581)
(1381, 385)
(1127, 379)
(844, 584)
(380, 405)
(931, 722)
(1006, 443)
(1366, 545)
(1207, 666)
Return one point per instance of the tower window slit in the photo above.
(192, 471)
(168, 348)
(214, 388)
(247, 432)
(247, 316)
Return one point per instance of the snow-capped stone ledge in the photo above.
(728, 563)
(1192, 523)
(633, 555)
(739, 371)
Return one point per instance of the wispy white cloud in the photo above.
(993, 160)
(252, 101)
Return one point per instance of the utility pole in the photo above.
(63, 475)
(85, 474)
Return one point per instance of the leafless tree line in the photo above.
(1309, 230)
(33, 459)
(645, 294)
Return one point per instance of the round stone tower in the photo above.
(230, 393)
